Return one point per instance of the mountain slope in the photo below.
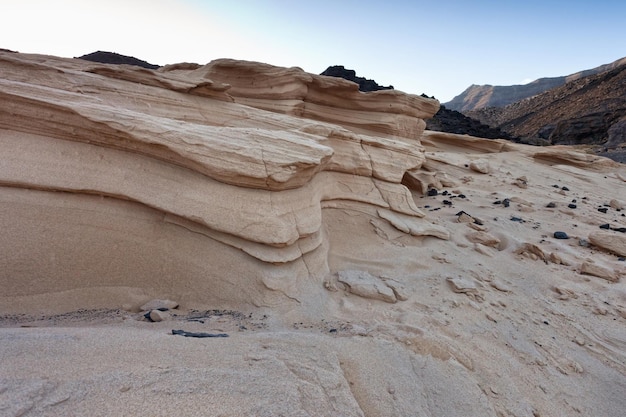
(480, 96)
(589, 110)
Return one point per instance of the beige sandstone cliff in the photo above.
(124, 176)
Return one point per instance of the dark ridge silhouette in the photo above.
(365, 85)
(104, 57)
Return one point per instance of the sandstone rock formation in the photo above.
(180, 174)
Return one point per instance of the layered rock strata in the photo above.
(114, 176)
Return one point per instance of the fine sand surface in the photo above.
(462, 303)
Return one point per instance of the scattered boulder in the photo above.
(480, 165)
(609, 241)
(532, 251)
(463, 217)
(484, 250)
(158, 315)
(560, 235)
(589, 268)
(483, 238)
(463, 286)
(521, 182)
(616, 204)
(398, 288)
(557, 259)
(366, 285)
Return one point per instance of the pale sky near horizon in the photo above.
(434, 47)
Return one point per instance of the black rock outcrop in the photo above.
(114, 58)
(365, 84)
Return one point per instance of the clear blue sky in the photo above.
(433, 47)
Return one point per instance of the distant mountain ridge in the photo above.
(481, 96)
(585, 111)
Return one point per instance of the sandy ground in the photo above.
(523, 337)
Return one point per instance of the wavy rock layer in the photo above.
(191, 151)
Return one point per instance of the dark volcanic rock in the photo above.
(114, 58)
(451, 121)
(365, 84)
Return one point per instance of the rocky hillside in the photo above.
(480, 96)
(589, 110)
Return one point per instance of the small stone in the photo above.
(589, 268)
(610, 241)
(463, 286)
(603, 209)
(616, 204)
(532, 249)
(517, 219)
(560, 235)
(506, 202)
(432, 192)
(447, 202)
(366, 285)
(464, 218)
(158, 315)
(521, 182)
(556, 259)
(484, 250)
(605, 226)
(480, 165)
(551, 204)
(564, 188)
(571, 205)
(484, 238)
(398, 288)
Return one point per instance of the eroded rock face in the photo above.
(191, 177)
